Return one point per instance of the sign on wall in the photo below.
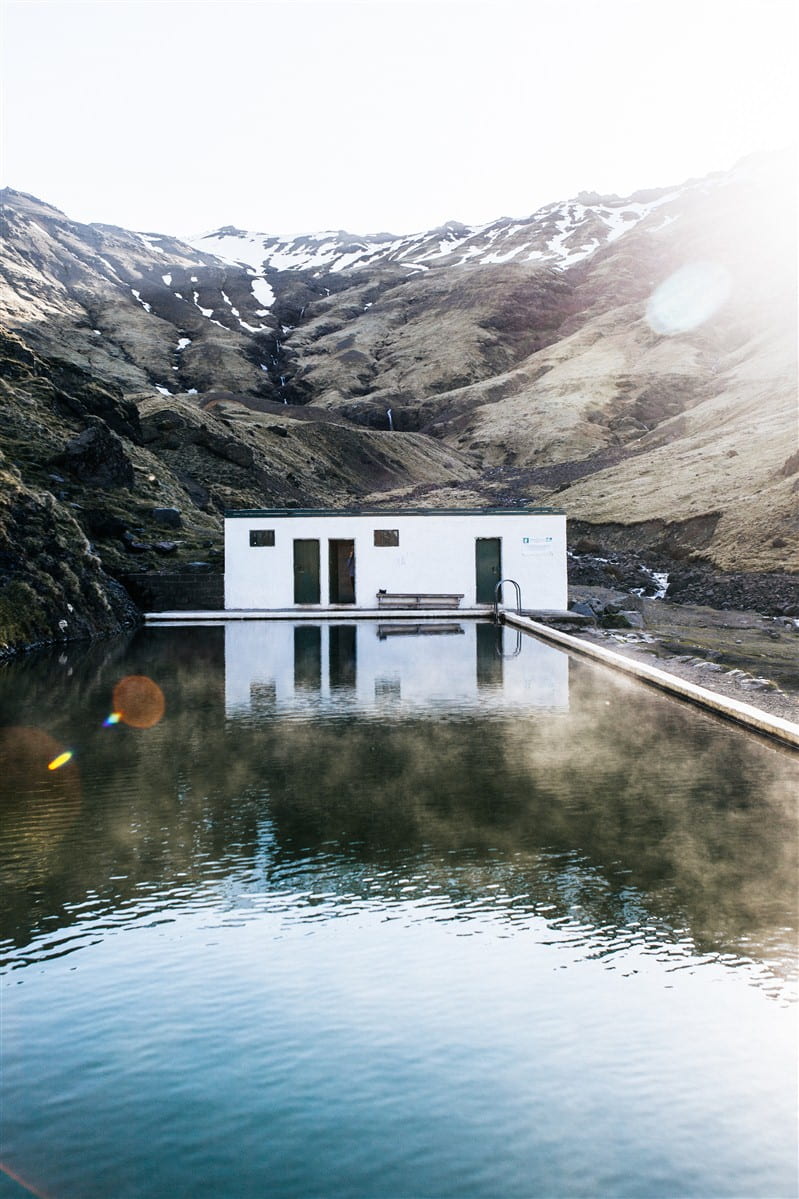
(537, 545)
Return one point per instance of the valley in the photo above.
(629, 359)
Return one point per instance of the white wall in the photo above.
(436, 553)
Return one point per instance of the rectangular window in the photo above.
(386, 536)
(262, 536)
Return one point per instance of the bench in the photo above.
(418, 599)
(408, 629)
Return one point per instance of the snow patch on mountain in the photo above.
(137, 297)
(558, 235)
(262, 290)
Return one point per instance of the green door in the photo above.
(306, 571)
(488, 559)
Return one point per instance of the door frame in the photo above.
(338, 551)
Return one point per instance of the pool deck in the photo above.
(337, 611)
(784, 731)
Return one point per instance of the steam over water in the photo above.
(384, 912)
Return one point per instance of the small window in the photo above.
(386, 536)
(262, 536)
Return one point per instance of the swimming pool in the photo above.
(390, 910)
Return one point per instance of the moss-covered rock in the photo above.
(52, 587)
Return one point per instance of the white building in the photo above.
(379, 560)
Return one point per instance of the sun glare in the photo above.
(688, 298)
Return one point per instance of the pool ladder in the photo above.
(517, 649)
(497, 592)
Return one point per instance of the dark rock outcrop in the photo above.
(774, 594)
(52, 587)
(169, 517)
(97, 457)
(620, 571)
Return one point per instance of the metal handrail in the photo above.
(499, 651)
(497, 590)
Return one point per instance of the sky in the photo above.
(181, 116)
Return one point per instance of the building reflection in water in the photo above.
(278, 666)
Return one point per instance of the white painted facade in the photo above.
(432, 552)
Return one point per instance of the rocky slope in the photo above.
(630, 359)
(98, 491)
(636, 359)
(633, 360)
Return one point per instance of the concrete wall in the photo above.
(436, 553)
(176, 592)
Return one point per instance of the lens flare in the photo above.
(138, 701)
(40, 796)
(61, 760)
(688, 298)
(28, 1186)
(111, 719)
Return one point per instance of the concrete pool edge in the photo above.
(784, 731)
(339, 612)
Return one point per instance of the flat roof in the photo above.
(273, 513)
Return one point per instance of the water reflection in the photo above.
(319, 769)
(381, 667)
(358, 880)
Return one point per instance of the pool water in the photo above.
(389, 911)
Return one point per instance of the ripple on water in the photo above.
(450, 951)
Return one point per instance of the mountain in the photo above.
(536, 348)
(630, 359)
